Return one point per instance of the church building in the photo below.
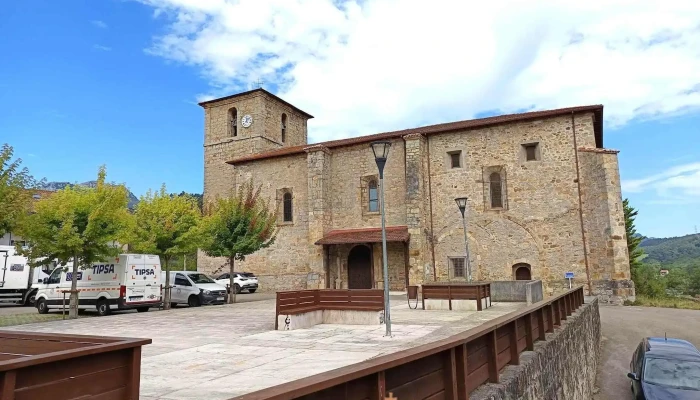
(543, 194)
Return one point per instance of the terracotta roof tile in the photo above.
(439, 128)
(365, 235)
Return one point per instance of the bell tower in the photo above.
(244, 124)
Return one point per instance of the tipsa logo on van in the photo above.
(103, 269)
(144, 271)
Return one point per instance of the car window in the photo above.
(181, 280)
(638, 357)
(55, 276)
(200, 278)
(680, 374)
(224, 276)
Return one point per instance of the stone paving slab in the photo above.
(220, 352)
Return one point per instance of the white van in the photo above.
(125, 282)
(194, 289)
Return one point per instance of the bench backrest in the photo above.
(338, 299)
(456, 292)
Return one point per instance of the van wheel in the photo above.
(237, 288)
(31, 299)
(103, 308)
(143, 309)
(42, 307)
(193, 301)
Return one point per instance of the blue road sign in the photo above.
(569, 275)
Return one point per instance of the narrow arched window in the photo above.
(233, 121)
(287, 207)
(496, 188)
(284, 127)
(373, 197)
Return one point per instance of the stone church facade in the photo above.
(544, 199)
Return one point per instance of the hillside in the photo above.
(133, 200)
(682, 249)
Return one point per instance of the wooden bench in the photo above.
(459, 291)
(303, 301)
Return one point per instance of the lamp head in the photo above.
(462, 204)
(381, 152)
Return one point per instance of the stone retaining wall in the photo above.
(562, 367)
(517, 291)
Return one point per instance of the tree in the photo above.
(636, 253)
(238, 226)
(78, 224)
(168, 226)
(15, 191)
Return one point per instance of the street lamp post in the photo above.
(381, 152)
(462, 204)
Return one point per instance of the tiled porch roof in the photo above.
(365, 235)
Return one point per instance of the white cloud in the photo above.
(99, 24)
(102, 48)
(676, 185)
(365, 66)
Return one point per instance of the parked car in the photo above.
(241, 281)
(194, 289)
(664, 369)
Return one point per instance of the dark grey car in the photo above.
(665, 369)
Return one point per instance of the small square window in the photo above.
(532, 151)
(455, 159)
(458, 268)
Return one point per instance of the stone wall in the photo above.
(539, 224)
(285, 264)
(351, 169)
(604, 223)
(517, 291)
(562, 367)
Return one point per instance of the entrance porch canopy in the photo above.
(365, 235)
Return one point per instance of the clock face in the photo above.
(246, 121)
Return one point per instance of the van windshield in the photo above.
(200, 278)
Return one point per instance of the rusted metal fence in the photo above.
(458, 291)
(301, 301)
(448, 369)
(50, 366)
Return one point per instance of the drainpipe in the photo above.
(430, 198)
(580, 207)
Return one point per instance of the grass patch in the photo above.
(664, 302)
(21, 319)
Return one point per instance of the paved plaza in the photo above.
(219, 352)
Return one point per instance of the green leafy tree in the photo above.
(677, 280)
(167, 226)
(15, 191)
(648, 282)
(78, 224)
(238, 226)
(636, 253)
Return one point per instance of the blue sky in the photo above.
(115, 82)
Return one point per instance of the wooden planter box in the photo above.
(456, 293)
(63, 367)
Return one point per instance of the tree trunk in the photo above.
(231, 285)
(168, 291)
(73, 310)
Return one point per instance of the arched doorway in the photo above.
(522, 272)
(360, 268)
